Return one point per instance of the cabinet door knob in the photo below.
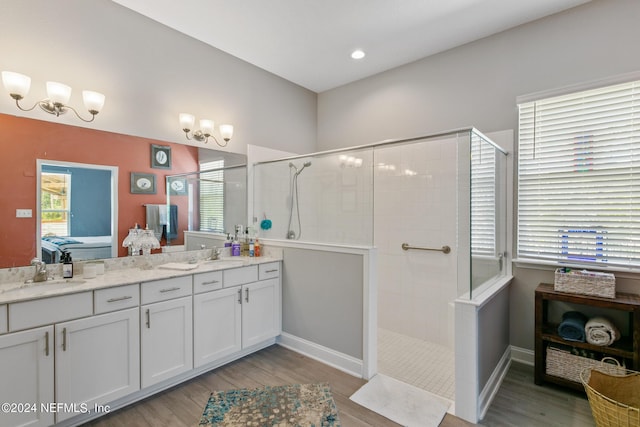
(64, 339)
(46, 343)
(240, 296)
(148, 319)
(246, 297)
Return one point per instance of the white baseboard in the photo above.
(493, 384)
(341, 361)
(522, 355)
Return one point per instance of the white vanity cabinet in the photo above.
(77, 351)
(245, 312)
(97, 359)
(217, 320)
(4, 326)
(260, 311)
(166, 329)
(26, 373)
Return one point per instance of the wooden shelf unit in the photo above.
(546, 332)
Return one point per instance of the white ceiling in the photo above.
(309, 42)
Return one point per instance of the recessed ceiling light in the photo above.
(357, 54)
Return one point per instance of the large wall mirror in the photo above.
(76, 210)
(41, 157)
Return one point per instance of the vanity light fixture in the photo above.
(187, 121)
(58, 95)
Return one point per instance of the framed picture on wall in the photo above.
(177, 186)
(143, 183)
(160, 156)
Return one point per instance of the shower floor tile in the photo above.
(425, 365)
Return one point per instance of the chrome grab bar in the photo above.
(445, 249)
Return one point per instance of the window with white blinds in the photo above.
(579, 178)
(483, 197)
(212, 196)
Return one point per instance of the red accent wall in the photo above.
(23, 140)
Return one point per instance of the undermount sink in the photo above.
(48, 285)
(224, 263)
(62, 281)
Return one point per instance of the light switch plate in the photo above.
(24, 213)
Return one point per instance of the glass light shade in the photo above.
(16, 83)
(206, 126)
(58, 93)
(187, 121)
(226, 131)
(93, 101)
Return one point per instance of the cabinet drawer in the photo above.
(240, 276)
(118, 298)
(161, 290)
(45, 311)
(205, 282)
(269, 270)
(3, 319)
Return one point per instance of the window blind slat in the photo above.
(212, 196)
(483, 198)
(578, 177)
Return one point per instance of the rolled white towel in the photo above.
(601, 331)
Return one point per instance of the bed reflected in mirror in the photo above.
(76, 211)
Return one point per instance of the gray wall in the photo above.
(493, 334)
(477, 85)
(322, 298)
(149, 74)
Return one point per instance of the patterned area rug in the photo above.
(304, 405)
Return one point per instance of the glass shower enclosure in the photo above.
(429, 192)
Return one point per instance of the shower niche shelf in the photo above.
(627, 349)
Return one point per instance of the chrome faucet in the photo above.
(41, 270)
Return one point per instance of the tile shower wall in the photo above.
(382, 196)
(335, 198)
(415, 203)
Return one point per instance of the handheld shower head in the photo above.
(304, 165)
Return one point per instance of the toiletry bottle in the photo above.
(228, 242)
(67, 265)
(256, 248)
(235, 248)
(252, 248)
(244, 245)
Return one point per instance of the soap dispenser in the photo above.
(67, 265)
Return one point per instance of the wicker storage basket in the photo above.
(564, 364)
(614, 397)
(585, 282)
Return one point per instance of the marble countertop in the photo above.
(20, 291)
